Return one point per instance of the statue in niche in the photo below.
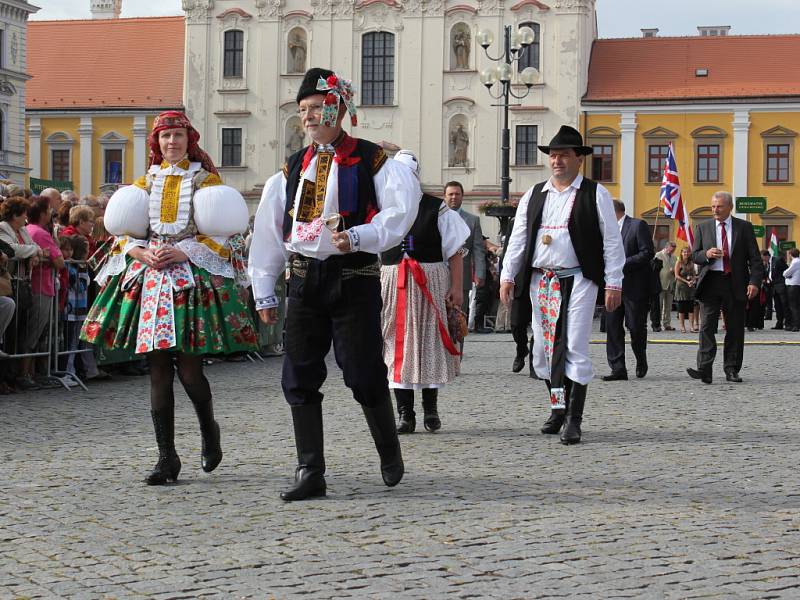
(459, 141)
(461, 47)
(297, 52)
(295, 141)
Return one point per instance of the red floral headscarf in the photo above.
(173, 119)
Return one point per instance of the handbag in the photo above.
(23, 294)
(456, 324)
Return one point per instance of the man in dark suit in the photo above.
(779, 296)
(475, 259)
(636, 287)
(730, 272)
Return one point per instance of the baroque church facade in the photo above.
(416, 68)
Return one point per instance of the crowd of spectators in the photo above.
(46, 242)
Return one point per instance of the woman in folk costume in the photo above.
(420, 278)
(170, 284)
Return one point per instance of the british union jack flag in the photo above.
(671, 198)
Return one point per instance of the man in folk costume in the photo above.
(335, 206)
(420, 278)
(567, 242)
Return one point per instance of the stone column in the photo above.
(627, 158)
(35, 147)
(139, 146)
(86, 130)
(741, 130)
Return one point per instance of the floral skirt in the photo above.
(210, 318)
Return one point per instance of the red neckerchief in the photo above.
(343, 146)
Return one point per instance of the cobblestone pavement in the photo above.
(680, 490)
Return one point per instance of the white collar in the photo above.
(728, 222)
(183, 167)
(576, 184)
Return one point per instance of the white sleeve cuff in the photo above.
(268, 302)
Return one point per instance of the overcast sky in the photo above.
(616, 18)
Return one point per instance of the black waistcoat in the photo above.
(372, 159)
(584, 232)
(424, 241)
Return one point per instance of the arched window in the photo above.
(531, 56)
(233, 59)
(377, 68)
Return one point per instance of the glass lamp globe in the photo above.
(489, 76)
(515, 41)
(526, 36)
(484, 38)
(505, 72)
(529, 76)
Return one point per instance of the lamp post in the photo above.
(515, 44)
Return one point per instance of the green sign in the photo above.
(38, 185)
(784, 246)
(751, 204)
(759, 230)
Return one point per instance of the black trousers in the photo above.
(781, 300)
(633, 315)
(793, 297)
(346, 313)
(521, 314)
(717, 295)
(655, 311)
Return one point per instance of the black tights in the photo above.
(162, 377)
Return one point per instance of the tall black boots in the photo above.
(429, 398)
(557, 415)
(380, 419)
(405, 410)
(572, 429)
(211, 454)
(168, 465)
(309, 478)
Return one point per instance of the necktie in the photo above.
(726, 254)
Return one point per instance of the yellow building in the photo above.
(96, 87)
(730, 106)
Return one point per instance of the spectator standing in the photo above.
(81, 222)
(655, 293)
(685, 279)
(792, 278)
(780, 296)
(757, 307)
(667, 275)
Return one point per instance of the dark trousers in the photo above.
(633, 315)
(520, 317)
(781, 300)
(717, 294)
(655, 311)
(350, 317)
(793, 314)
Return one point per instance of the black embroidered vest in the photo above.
(424, 241)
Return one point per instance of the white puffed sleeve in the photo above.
(127, 213)
(453, 229)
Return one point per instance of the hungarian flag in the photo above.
(671, 198)
(773, 245)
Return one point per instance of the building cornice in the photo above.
(787, 105)
(98, 112)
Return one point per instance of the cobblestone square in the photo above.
(679, 490)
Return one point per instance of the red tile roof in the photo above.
(663, 68)
(106, 63)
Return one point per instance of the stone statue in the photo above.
(295, 141)
(460, 141)
(461, 42)
(297, 53)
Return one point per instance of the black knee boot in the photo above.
(168, 465)
(557, 415)
(405, 409)
(572, 429)
(430, 397)
(380, 419)
(309, 478)
(211, 453)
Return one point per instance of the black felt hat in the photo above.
(567, 137)
(310, 80)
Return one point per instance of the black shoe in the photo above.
(703, 376)
(169, 464)
(641, 370)
(657, 329)
(405, 409)
(616, 376)
(555, 422)
(518, 364)
(484, 330)
(380, 419)
(751, 329)
(309, 477)
(778, 327)
(733, 377)
(211, 451)
(574, 414)
(431, 421)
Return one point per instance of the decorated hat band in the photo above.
(338, 90)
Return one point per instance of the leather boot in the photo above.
(380, 419)
(168, 465)
(572, 429)
(211, 453)
(309, 477)
(405, 408)
(557, 415)
(429, 400)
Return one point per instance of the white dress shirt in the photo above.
(792, 274)
(560, 252)
(716, 265)
(397, 192)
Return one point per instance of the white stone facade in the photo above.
(13, 75)
(435, 91)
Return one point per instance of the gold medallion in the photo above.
(546, 239)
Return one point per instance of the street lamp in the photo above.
(515, 45)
